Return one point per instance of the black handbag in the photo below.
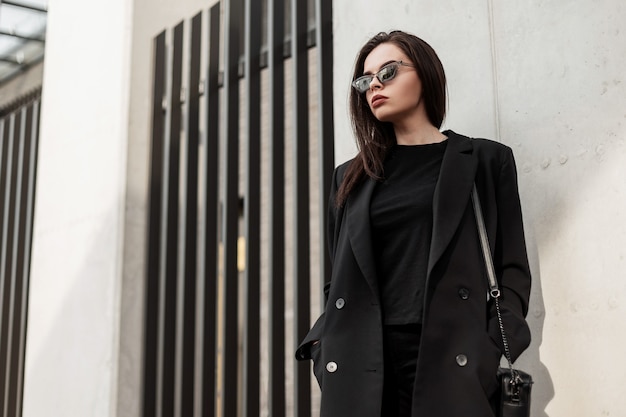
(514, 396)
(515, 385)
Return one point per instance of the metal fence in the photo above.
(242, 127)
(19, 131)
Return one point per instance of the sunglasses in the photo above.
(384, 75)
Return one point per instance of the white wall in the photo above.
(545, 77)
(71, 355)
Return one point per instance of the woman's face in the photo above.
(399, 98)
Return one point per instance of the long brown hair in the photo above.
(374, 137)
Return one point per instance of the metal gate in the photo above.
(19, 134)
(242, 153)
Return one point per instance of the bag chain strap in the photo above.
(494, 291)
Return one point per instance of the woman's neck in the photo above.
(417, 134)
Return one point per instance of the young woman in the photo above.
(408, 328)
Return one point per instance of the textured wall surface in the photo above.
(547, 79)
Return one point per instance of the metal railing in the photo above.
(19, 134)
(242, 117)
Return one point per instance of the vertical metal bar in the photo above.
(230, 351)
(28, 238)
(171, 259)
(8, 263)
(324, 42)
(5, 149)
(276, 106)
(191, 221)
(5, 124)
(252, 209)
(211, 216)
(18, 259)
(299, 56)
(157, 164)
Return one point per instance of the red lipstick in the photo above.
(378, 100)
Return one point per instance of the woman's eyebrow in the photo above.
(379, 68)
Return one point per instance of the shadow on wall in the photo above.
(530, 361)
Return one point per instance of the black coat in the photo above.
(460, 346)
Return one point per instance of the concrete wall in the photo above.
(73, 320)
(545, 77)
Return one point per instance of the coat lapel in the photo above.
(360, 233)
(452, 193)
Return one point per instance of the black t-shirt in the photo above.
(401, 214)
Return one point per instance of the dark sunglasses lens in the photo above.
(362, 84)
(387, 73)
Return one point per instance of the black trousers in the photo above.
(401, 348)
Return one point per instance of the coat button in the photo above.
(464, 293)
(461, 360)
(340, 303)
(331, 367)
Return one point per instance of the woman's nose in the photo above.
(375, 83)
